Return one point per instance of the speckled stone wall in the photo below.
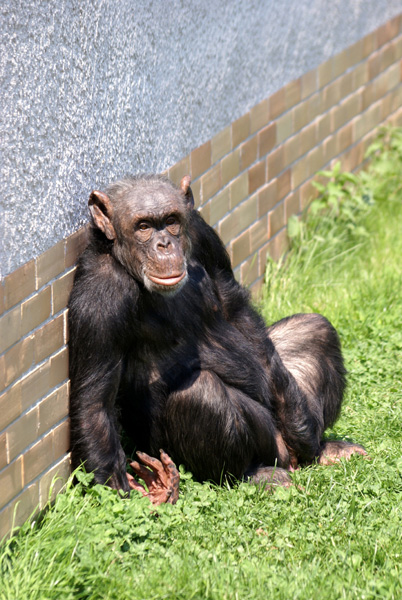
(92, 90)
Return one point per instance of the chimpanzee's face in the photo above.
(148, 225)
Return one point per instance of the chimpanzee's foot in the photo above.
(333, 451)
(270, 476)
(161, 477)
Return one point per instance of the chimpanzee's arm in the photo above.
(101, 309)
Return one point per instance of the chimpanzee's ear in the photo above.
(186, 189)
(102, 211)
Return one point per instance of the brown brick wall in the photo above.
(247, 181)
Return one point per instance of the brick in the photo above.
(292, 93)
(239, 190)
(36, 310)
(360, 75)
(292, 205)
(346, 83)
(240, 130)
(49, 264)
(25, 504)
(341, 62)
(284, 127)
(220, 205)
(248, 152)
(307, 194)
(387, 57)
(329, 149)
(256, 176)
(309, 84)
(211, 182)
(53, 409)
(324, 127)
(276, 162)
(10, 405)
(386, 32)
(22, 433)
(205, 212)
(262, 259)
(299, 172)
(393, 76)
(278, 245)
(10, 481)
(19, 284)
(38, 458)
(75, 245)
(330, 95)
(221, 144)
(284, 184)
(10, 328)
(35, 385)
(314, 106)
(292, 149)
(3, 451)
(259, 116)
(277, 104)
(325, 73)
(230, 167)
(266, 139)
(259, 234)
(61, 289)
(369, 44)
(53, 481)
(249, 270)
(308, 138)
(196, 188)
(1, 297)
(6, 520)
(17, 360)
(49, 338)
(240, 218)
(240, 248)
(200, 160)
(344, 137)
(267, 198)
(356, 52)
(315, 160)
(300, 116)
(58, 368)
(276, 219)
(374, 65)
(179, 170)
(61, 439)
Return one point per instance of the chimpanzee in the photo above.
(165, 343)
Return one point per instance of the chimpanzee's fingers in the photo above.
(173, 477)
(134, 485)
(157, 472)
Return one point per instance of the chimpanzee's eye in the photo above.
(172, 221)
(143, 226)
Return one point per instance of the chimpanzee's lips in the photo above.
(167, 280)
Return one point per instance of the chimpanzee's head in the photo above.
(145, 218)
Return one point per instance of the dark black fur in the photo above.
(196, 373)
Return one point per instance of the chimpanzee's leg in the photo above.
(216, 430)
(309, 349)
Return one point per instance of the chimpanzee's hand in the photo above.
(162, 478)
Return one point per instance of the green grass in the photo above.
(338, 532)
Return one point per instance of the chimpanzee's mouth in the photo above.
(168, 281)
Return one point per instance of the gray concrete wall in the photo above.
(93, 89)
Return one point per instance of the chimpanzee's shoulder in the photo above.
(102, 288)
